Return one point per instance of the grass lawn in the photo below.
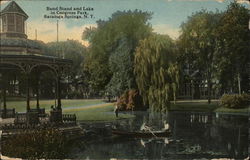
(199, 106)
(103, 112)
(88, 110)
(97, 110)
(203, 106)
(245, 110)
(21, 105)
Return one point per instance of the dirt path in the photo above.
(87, 107)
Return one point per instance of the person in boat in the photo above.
(144, 127)
(166, 126)
(116, 110)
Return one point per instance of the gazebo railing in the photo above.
(20, 118)
(69, 118)
(41, 111)
(9, 113)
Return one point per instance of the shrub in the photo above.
(130, 100)
(75, 95)
(46, 143)
(235, 101)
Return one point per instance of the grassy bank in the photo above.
(103, 112)
(203, 106)
(85, 109)
(97, 110)
(245, 110)
(66, 103)
(195, 105)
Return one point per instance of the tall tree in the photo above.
(156, 71)
(75, 51)
(121, 65)
(199, 41)
(113, 40)
(233, 56)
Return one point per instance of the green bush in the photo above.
(46, 143)
(235, 100)
(74, 95)
(130, 100)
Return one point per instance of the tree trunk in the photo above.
(209, 85)
(209, 91)
(174, 98)
(239, 85)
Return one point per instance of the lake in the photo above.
(194, 136)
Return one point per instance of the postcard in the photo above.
(124, 79)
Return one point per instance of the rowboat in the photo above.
(141, 134)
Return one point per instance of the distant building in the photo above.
(193, 85)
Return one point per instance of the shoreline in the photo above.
(214, 112)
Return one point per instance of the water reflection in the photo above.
(225, 135)
(194, 135)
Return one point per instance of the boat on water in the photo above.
(141, 134)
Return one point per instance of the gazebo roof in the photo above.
(13, 7)
(28, 62)
(20, 42)
(36, 59)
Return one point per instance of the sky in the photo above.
(167, 15)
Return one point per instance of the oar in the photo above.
(151, 131)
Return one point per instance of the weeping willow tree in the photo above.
(157, 74)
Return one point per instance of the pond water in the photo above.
(194, 136)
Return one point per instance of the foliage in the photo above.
(88, 33)
(74, 95)
(75, 51)
(113, 43)
(233, 52)
(47, 143)
(70, 49)
(130, 100)
(217, 45)
(157, 74)
(121, 65)
(198, 43)
(235, 100)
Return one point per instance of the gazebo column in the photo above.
(27, 92)
(37, 90)
(4, 100)
(4, 95)
(59, 103)
(56, 115)
(31, 116)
